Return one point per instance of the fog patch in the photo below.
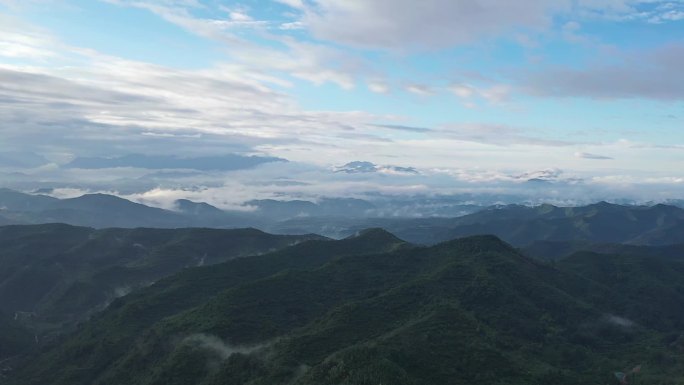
(122, 291)
(619, 321)
(216, 345)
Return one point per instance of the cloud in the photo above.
(216, 345)
(463, 91)
(587, 155)
(647, 73)
(495, 134)
(378, 86)
(181, 14)
(619, 321)
(397, 24)
(401, 25)
(400, 127)
(222, 163)
(493, 94)
(419, 89)
(85, 103)
(297, 4)
(362, 167)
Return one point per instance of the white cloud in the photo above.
(293, 25)
(463, 91)
(645, 73)
(378, 86)
(419, 89)
(397, 24)
(587, 155)
(297, 4)
(493, 94)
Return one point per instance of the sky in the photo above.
(441, 96)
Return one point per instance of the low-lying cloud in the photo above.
(217, 346)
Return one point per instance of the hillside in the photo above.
(104, 211)
(14, 339)
(468, 311)
(518, 225)
(60, 274)
(522, 225)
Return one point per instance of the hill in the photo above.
(518, 225)
(522, 225)
(61, 274)
(105, 211)
(468, 311)
(14, 339)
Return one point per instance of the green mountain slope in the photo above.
(469, 311)
(556, 250)
(14, 339)
(61, 274)
(520, 225)
(129, 316)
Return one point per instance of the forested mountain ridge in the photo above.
(467, 311)
(60, 274)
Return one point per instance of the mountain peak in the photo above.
(196, 208)
(363, 167)
(477, 243)
(375, 233)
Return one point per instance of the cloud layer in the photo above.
(464, 95)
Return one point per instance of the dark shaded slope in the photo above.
(468, 311)
(105, 211)
(556, 250)
(101, 210)
(128, 317)
(520, 225)
(646, 289)
(64, 273)
(14, 339)
(15, 201)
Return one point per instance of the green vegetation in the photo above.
(58, 275)
(372, 310)
(14, 339)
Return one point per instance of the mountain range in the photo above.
(341, 217)
(57, 275)
(562, 295)
(373, 309)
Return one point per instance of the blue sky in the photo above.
(480, 90)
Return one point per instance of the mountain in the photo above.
(647, 290)
(467, 311)
(128, 316)
(14, 339)
(520, 225)
(558, 250)
(11, 200)
(362, 167)
(197, 208)
(273, 211)
(205, 215)
(103, 211)
(6, 221)
(61, 274)
(602, 223)
(276, 209)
